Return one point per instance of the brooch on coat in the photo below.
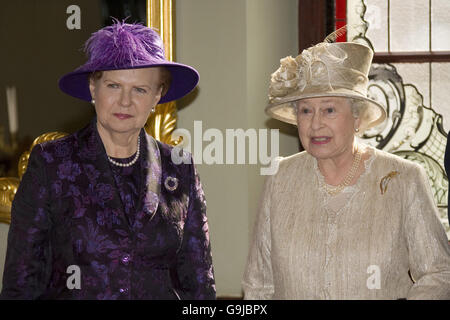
(385, 180)
(171, 183)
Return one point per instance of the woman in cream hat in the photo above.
(342, 220)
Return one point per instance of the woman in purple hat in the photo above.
(104, 213)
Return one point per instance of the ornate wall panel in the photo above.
(414, 94)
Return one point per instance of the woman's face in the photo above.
(125, 98)
(326, 126)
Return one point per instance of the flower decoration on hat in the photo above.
(312, 65)
(286, 78)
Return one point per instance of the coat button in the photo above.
(123, 290)
(126, 259)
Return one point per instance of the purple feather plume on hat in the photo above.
(123, 44)
(127, 46)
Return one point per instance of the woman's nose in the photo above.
(316, 121)
(125, 98)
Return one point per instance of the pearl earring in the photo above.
(357, 130)
(93, 101)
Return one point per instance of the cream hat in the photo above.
(325, 70)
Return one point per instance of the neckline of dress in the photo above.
(124, 159)
(351, 188)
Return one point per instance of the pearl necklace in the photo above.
(129, 164)
(333, 190)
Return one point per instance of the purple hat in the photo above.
(127, 46)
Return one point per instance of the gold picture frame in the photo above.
(162, 122)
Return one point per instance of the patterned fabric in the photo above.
(128, 184)
(131, 237)
(360, 244)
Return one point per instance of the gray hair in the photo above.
(358, 107)
(360, 110)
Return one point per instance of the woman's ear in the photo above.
(92, 87)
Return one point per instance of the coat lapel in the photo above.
(166, 189)
(175, 184)
(151, 186)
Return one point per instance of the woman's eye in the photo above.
(305, 111)
(141, 90)
(112, 85)
(330, 110)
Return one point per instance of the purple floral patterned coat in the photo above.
(68, 212)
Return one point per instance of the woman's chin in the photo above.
(121, 129)
(319, 153)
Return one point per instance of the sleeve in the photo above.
(428, 247)
(26, 270)
(194, 260)
(258, 279)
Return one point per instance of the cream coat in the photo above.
(357, 245)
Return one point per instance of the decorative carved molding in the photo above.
(9, 185)
(163, 121)
(23, 161)
(8, 188)
(412, 130)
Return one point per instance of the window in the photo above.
(410, 76)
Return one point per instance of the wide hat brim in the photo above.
(283, 109)
(183, 80)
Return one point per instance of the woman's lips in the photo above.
(320, 140)
(122, 116)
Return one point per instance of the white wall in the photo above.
(3, 244)
(235, 45)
